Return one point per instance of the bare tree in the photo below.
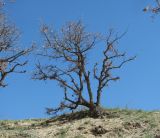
(10, 54)
(155, 9)
(68, 64)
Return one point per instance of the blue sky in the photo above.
(139, 85)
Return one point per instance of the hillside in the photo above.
(115, 124)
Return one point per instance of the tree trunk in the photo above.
(96, 111)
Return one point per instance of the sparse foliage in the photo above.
(9, 53)
(67, 54)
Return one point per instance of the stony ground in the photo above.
(115, 124)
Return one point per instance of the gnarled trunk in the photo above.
(96, 111)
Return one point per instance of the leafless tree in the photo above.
(10, 54)
(155, 9)
(68, 64)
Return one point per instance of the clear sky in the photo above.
(139, 86)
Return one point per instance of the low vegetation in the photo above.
(115, 123)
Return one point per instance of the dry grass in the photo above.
(115, 124)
